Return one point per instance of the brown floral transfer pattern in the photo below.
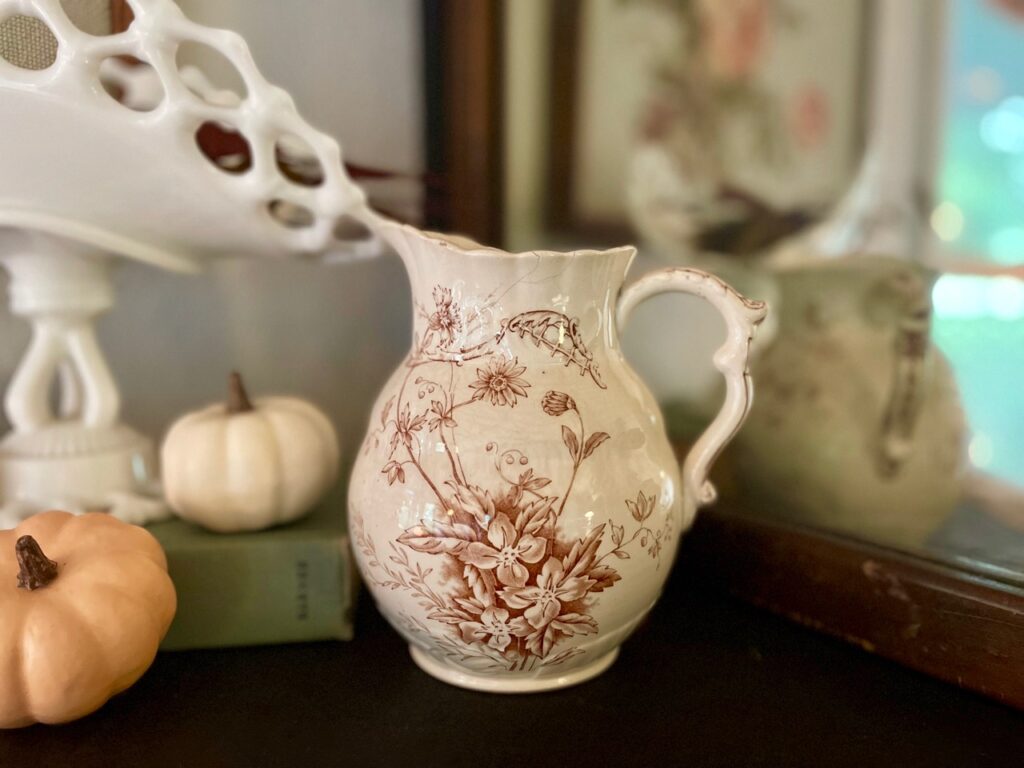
(515, 588)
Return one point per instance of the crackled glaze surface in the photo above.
(858, 425)
(516, 505)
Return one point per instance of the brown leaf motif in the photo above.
(618, 532)
(528, 482)
(593, 442)
(571, 441)
(405, 425)
(386, 411)
(574, 624)
(557, 333)
(441, 539)
(604, 577)
(652, 540)
(536, 515)
(440, 416)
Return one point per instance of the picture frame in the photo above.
(606, 89)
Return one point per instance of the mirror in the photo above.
(859, 165)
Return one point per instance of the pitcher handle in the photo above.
(742, 316)
(906, 397)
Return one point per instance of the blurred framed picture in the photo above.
(756, 100)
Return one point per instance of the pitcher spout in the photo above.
(463, 289)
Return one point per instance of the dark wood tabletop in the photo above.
(705, 682)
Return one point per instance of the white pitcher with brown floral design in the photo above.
(516, 505)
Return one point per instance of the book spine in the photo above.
(260, 592)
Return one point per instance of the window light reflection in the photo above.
(947, 221)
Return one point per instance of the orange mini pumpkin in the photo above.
(81, 622)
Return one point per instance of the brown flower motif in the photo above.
(500, 381)
(642, 508)
(440, 416)
(444, 320)
(655, 549)
(493, 627)
(394, 471)
(506, 552)
(405, 425)
(557, 403)
(543, 603)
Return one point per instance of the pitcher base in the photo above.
(512, 682)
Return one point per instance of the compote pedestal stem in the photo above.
(68, 451)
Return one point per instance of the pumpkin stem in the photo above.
(37, 570)
(238, 398)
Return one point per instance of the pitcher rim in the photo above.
(475, 249)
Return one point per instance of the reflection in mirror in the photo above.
(859, 164)
(978, 220)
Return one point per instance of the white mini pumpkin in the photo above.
(247, 466)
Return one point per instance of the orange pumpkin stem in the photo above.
(37, 570)
(238, 398)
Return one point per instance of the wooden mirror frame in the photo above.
(947, 621)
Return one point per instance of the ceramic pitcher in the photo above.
(858, 424)
(516, 506)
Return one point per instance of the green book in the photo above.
(295, 583)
